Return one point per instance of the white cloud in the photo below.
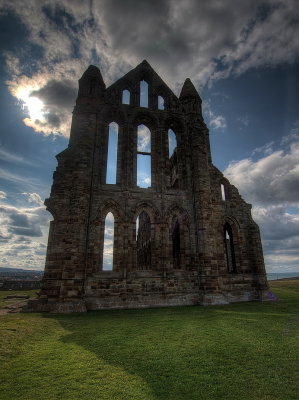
(271, 180)
(3, 195)
(276, 222)
(34, 198)
(271, 184)
(6, 155)
(293, 136)
(267, 149)
(280, 234)
(22, 181)
(144, 139)
(218, 122)
(23, 235)
(215, 121)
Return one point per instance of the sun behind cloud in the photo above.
(35, 108)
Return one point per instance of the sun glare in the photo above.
(35, 108)
(33, 105)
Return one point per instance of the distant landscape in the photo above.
(271, 276)
(18, 278)
(19, 273)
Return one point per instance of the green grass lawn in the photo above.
(239, 351)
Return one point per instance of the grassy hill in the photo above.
(240, 351)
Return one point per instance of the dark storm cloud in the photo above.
(53, 119)
(23, 224)
(206, 40)
(194, 37)
(276, 223)
(33, 231)
(57, 93)
(58, 98)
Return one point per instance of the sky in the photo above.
(243, 57)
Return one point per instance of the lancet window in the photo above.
(108, 248)
(112, 153)
(143, 156)
(126, 96)
(143, 94)
(223, 195)
(161, 103)
(173, 160)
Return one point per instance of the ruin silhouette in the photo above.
(179, 233)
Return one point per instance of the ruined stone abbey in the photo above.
(141, 216)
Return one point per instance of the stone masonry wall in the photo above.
(80, 199)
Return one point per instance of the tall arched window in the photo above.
(108, 247)
(223, 192)
(112, 153)
(229, 249)
(143, 94)
(176, 244)
(143, 241)
(172, 143)
(143, 156)
(126, 97)
(161, 103)
(173, 164)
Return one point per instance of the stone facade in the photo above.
(196, 241)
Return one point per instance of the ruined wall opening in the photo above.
(108, 248)
(143, 156)
(173, 160)
(172, 142)
(126, 95)
(143, 94)
(112, 153)
(161, 103)
(229, 249)
(143, 241)
(223, 195)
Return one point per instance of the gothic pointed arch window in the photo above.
(112, 153)
(143, 241)
(108, 246)
(143, 156)
(172, 142)
(173, 160)
(143, 94)
(176, 244)
(223, 192)
(161, 103)
(126, 96)
(229, 249)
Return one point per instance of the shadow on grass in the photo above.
(239, 351)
